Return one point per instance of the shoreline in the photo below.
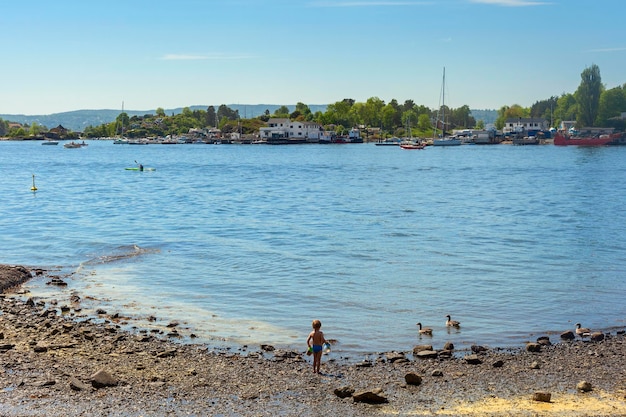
(51, 363)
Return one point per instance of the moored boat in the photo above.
(526, 140)
(447, 141)
(443, 140)
(389, 142)
(412, 145)
(561, 139)
(72, 145)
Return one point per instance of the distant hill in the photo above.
(78, 120)
(487, 116)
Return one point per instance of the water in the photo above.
(247, 244)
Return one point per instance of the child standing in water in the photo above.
(316, 341)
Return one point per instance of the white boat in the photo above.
(50, 142)
(526, 140)
(447, 141)
(443, 140)
(73, 145)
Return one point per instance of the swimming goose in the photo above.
(582, 331)
(426, 330)
(452, 323)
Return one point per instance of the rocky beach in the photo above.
(57, 361)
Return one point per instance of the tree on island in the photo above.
(588, 96)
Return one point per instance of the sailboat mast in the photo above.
(443, 104)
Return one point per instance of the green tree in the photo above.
(35, 129)
(612, 104)
(304, 112)
(160, 112)
(423, 123)
(211, 117)
(566, 109)
(510, 112)
(388, 116)
(410, 121)
(372, 113)
(338, 113)
(544, 109)
(282, 111)
(588, 96)
(462, 117)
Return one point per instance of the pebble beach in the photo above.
(58, 362)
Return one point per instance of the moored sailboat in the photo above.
(443, 141)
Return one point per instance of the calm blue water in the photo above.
(248, 244)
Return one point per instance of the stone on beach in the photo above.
(542, 397)
(413, 379)
(102, 379)
(151, 375)
(374, 396)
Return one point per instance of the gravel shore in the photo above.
(56, 362)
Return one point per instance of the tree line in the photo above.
(591, 105)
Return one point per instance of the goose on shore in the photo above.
(425, 331)
(582, 331)
(452, 323)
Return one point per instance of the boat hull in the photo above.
(411, 146)
(447, 142)
(562, 140)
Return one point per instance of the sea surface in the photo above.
(247, 244)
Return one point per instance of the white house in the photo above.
(287, 129)
(525, 124)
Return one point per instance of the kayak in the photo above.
(137, 169)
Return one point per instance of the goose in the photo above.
(426, 330)
(582, 331)
(452, 323)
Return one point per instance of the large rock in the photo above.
(344, 392)
(478, 349)
(394, 357)
(420, 348)
(12, 276)
(597, 336)
(102, 379)
(374, 396)
(473, 359)
(427, 354)
(533, 347)
(584, 386)
(78, 385)
(413, 379)
(542, 397)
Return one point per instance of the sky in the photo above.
(65, 55)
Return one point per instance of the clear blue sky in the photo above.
(63, 55)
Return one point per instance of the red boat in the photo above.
(410, 146)
(601, 140)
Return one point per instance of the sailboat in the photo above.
(121, 140)
(409, 143)
(443, 141)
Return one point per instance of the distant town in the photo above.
(592, 112)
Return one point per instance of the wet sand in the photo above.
(59, 362)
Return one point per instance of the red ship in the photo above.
(600, 140)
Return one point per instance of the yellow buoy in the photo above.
(33, 188)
